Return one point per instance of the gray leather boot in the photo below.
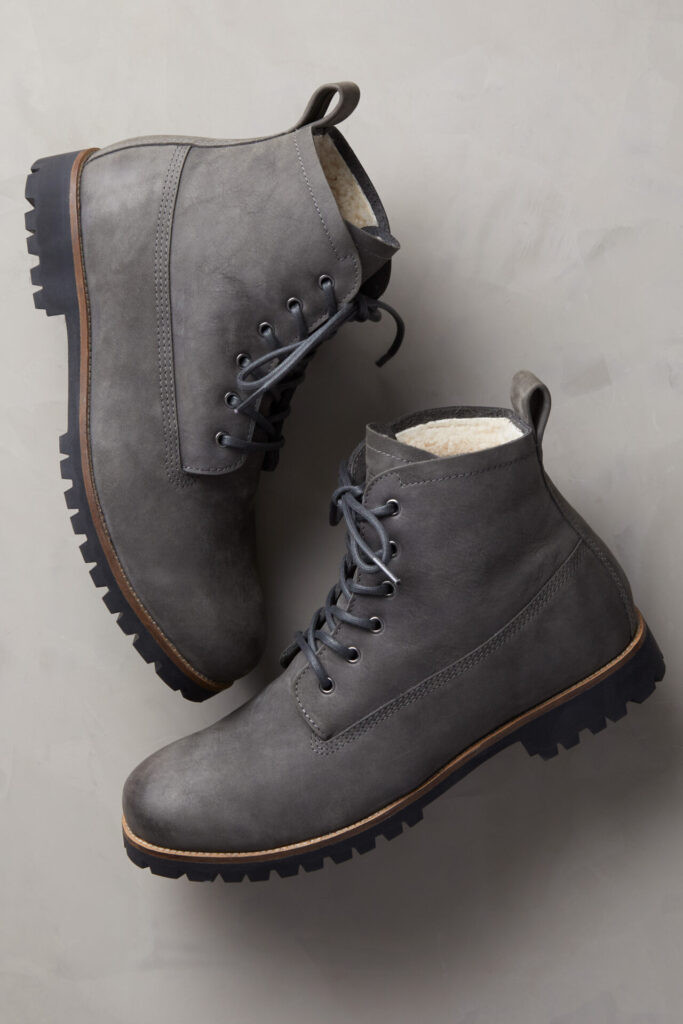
(474, 609)
(197, 277)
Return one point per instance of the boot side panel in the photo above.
(255, 227)
(308, 786)
(477, 537)
(601, 552)
(186, 546)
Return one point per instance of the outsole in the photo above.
(48, 224)
(591, 710)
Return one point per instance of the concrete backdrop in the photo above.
(530, 156)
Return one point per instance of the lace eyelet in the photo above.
(218, 438)
(389, 589)
(264, 327)
(353, 656)
(393, 548)
(394, 506)
(231, 399)
(377, 624)
(243, 359)
(294, 303)
(327, 686)
(325, 279)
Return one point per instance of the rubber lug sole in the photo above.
(633, 682)
(49, 224)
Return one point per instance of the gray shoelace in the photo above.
(259, 377)
(360, 558)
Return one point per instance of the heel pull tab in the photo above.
(316, 114)
(531, 401)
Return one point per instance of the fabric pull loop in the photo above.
(531, 401)
(317, 113)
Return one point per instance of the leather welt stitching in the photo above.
(463, 665)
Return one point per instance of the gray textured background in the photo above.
(530, 156)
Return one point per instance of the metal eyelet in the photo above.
(294, 303)
(325, 279)
(393, 548)
(377, 624)
(231, 399)
(389, 589)
(327, 686)
(353, 655)
(219, 438)
(394, 507)
(243, 359)
(264, 327)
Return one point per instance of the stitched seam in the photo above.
(189, 140)
(162, 297)
(598, 552)
(89, 468)
(304, 712)
(315, 323)
(463, 665)
(614, 576)
(472, 472)
(380, 451)
(448, 476)
(159, 312)
(216, 469)
(340, 259)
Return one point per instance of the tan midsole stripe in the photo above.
(96, 512)
(386, 812)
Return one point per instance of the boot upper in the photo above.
(501, 600)
(200, 258)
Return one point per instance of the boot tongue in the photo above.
(383, 451)
(375, 250)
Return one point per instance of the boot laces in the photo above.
(277, 373)
(369, 557)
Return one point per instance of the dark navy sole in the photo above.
(48, 190)
(543, 732)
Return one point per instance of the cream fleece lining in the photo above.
(351, 200)
(459, 436)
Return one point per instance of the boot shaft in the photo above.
(216, 250)
(474, 610)
(197, 278)
(478, 533)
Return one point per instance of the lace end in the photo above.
(398, 337)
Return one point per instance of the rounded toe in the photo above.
(182, 798)
(152, 803)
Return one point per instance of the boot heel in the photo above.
(48, 190)
(592, 709)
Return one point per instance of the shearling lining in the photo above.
(351, 200)
(459, 436)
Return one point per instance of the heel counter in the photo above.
(612, 570)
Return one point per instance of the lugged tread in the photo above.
(590, 710)
(49, 299)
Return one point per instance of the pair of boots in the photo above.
(474, 607)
